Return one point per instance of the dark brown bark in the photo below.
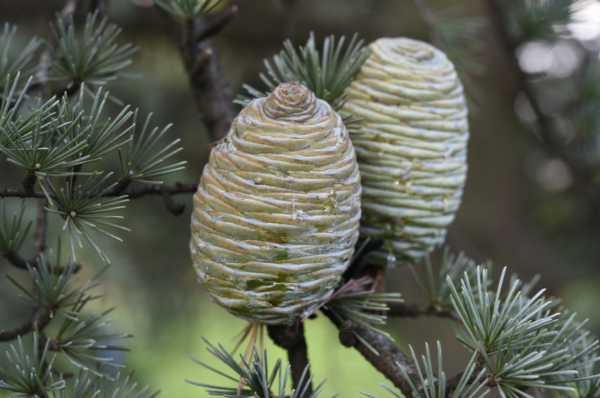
(291, 338)
(388, 356)
(418, 310)
(122, 188)
(208, 82)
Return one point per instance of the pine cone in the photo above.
(277, 211)
(411, 147)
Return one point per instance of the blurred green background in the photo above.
(519, 209)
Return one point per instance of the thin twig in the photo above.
(122, 188)
(43, 75)
(41, 227)
(39, 320)
(18, 261)
(418, 310)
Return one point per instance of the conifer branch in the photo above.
(388, 356)
(208, 82)
(218, 24)
(291, 338)
(418, 310)
(18, 261)
(39, 320)
(122, 188)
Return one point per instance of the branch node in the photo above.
(218, 24)
(201, 62)
(347, 337)
(29, 182)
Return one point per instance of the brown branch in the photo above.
(418, 310)
(46, 58)
(38, 321)
(291, 338)
(452, 383)
(388, 356)
(122, 188)
(41, 227)
(208, 82)
(218, 24)
(18, 261)
(551, 138)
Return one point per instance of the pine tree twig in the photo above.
(208, 82)
(29, 182)
(418, 310)
(453, 382)
(122, 188)
(54, 345)
(388, 356)
(41, 227)
(218, 24)
(201, 62)
(551, 138)
(46, 58)
(38, 320)
(18, 261)
(291, 338)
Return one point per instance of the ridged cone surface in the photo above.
(277, 211)
(412, 147)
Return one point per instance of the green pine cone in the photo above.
(277, 211)
(411, 147)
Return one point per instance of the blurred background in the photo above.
(521, 207)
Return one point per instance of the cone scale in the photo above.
(277, 211)
(411, 146)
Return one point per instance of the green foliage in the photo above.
(523, 344)
(187, 9)
(93, 58)
(136, 162)
(434, 283)
(76, 338)
(465, 387)
(96, 137)
(12, 123)
(537, 19)
(363, 307)
(326, 76)
(253, 378)
(15, 64)
(28, 376)
(82, 209)
(44, 148)
(114, 388)
(57, 286)
(11, 236)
